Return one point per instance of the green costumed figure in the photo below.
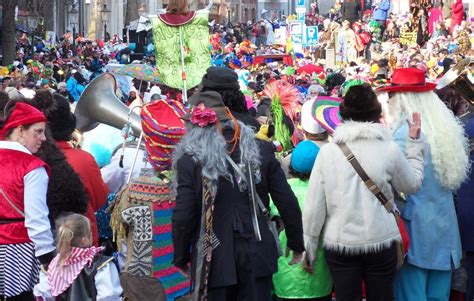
(181, 41)
(292, 281)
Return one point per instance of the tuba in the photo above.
(99, 104)
(461, 79)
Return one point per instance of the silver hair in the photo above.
(207, 146)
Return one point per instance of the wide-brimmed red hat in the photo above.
(408, 80)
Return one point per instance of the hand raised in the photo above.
(415, 127)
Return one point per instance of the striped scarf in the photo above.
(61, 277)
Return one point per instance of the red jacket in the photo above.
(86, 167)
(15, 166)
(458, 13)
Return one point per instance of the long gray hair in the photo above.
(207, 146)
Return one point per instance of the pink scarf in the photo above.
(61, 277)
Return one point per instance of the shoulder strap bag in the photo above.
(402, 247)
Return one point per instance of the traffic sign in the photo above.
(301, 17)
(296, 32)
(311, 35)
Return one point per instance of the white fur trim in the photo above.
(364, 248)
(352, 130)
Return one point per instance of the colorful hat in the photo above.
(326, 112)
(408, 80)
(162, 129)
(308, 122)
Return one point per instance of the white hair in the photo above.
(444, 132)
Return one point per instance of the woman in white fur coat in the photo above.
(359, 235)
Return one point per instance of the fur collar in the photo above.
(352, 130)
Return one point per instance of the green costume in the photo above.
(291, 281)
(194, 35)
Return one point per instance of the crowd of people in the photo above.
(330, 171)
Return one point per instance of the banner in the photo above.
(50, 39)
(408, 38)
(280, 36)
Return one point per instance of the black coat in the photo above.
(351, 10)
(229, 204)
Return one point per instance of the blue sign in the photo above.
(311, 35)
(296, 31)
(301, 17)
(300, 3)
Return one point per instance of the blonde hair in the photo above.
(72, 228)
(444, 132)
(177, 7)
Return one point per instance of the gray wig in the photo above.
(207, 146)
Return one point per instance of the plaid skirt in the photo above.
(19, 269)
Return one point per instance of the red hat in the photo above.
(22, 114)
(162, 129)
(408, 80)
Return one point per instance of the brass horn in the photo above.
(461, 79)
(99, 104)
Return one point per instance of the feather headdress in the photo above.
(286, 100)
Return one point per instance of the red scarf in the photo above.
(61, 277)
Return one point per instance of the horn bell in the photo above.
(461, 79)
(99, 104)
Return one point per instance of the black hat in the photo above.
(211, 100)
(61, 120)
(361, 104)
(220, 78)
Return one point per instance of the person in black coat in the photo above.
(351, 10)
(241, 267)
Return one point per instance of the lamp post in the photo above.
(32, 23)
(73, 16)
(105, 12)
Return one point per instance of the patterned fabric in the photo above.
(142, 215)
(61, 277)
(139, 217)
(141, 262)
(207, 241)
(173, 282)
(19, 269)
(194, 36)
(103, 219)
(162, 130)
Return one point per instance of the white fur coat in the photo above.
(339, 204)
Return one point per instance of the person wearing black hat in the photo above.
(226, 82)
(232, 231)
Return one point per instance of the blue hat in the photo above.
(303, 156)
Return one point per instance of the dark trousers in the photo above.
(377, 270)
(383, 26)
(470, 276)
(248, 288)
(25, 296)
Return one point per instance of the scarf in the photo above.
(61, 277)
